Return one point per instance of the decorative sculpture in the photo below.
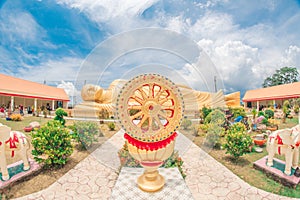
(11, 141)
(96, 98)
(286, 142)
(150, 109)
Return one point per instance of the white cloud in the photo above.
(106, 10)
(20, 26)
(243, 54)
(71, 91)
(69, 88)
(213, 26)
(291, 57)
(52, 70)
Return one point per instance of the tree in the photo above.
(283, 75)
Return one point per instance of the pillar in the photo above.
(274, 102)
(35, 105)
(257, 106)
(12, 103)
(53, 105)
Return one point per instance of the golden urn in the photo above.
(150, 108)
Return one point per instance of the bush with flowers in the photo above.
(16, 117)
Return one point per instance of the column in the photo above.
(35, 105)
(53, 105)
(257, 106)
(12, 103)
(274, 103)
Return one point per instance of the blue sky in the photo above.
(246, 40)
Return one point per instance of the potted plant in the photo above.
(254, 124)
(272, 124)
(286, 110)
(259, 139)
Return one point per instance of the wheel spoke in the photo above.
(158, 94)
(137, 99)
(151, 90)
(164, 115)
(145, 117)
(159, 124)
(144, 95)
(164, 100)
(150, 122)
(136, 115)
(168, 107)
(134, 107)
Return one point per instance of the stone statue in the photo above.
(285, 142)
(95, 99)
(12, 141)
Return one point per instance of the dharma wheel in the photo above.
(150, 109)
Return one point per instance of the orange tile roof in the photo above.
(18, 87)
(285, 91)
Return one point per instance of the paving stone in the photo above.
(204, 188)
(95, 176)
(95, 195)
(84, 189)
(72, 179)
(220, 192)
(70, 186)
(234, 196)
(50, 194)
(233, 186)
(83, 180)
(101, 181)
(194, 188)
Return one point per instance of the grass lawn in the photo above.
(243, 167)
(19, 125)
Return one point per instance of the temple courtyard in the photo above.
(95, 177)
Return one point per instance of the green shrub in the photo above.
(237, 140)
(238, 112)
(111, 126)
(52, 144)
(296, 108)
(203, 127)
(269, 113)
(205, 111)
(285, 108)
(214, 133)
(86, 133)
(261, 113)
(60, 113)
(265, 121)
(186, 123)
(216, 116)
(254, 112)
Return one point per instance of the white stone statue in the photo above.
(12, 141)
(285, 142)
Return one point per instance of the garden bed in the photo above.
(243, 166)
(46, 177)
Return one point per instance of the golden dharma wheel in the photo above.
(150, 108)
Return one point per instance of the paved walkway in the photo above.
(95, 176)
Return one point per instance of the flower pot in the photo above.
(272, 128)
(28, 129)
(259, 140)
